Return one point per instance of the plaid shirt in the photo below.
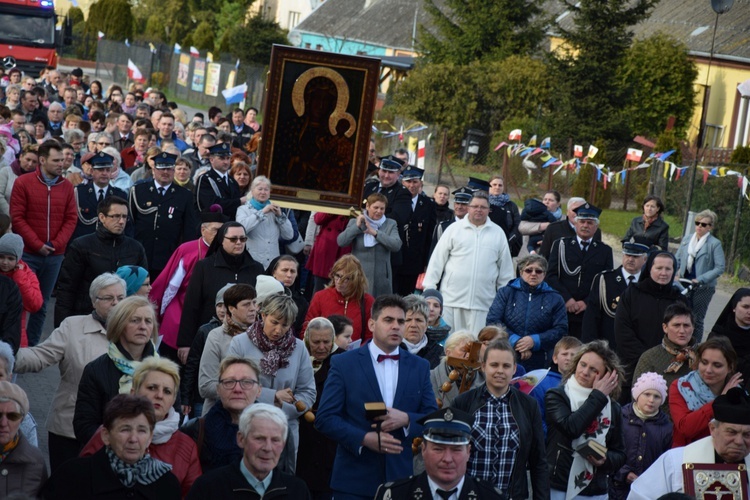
(495, 440)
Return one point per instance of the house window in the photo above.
(742, 132)
(307, 45)
(293, 19)
(318, 47)
(713, 135)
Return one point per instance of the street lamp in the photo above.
(720, 7)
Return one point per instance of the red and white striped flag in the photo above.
(134, 73)
(515, 135)
(194, 52)
(420, 154)
(634, 155)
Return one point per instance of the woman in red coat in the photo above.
(158, 379)
(345, 295)
(691, 397)
(325, 250)
(11, 265)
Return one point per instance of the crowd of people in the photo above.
(212, 344)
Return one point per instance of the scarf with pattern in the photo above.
(145, 471)
(127, 366)
(275, 354)
(681, 354)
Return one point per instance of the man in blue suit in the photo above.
(377, 372)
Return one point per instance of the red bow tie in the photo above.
(382, 357)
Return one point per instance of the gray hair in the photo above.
(532, 259)
(110, 150)
(262, 410)
(103, 281)
(576, 200)
(482, 195)
(105, 135)
(457, 338)
(707, 214)
(320, 324)
(416, 304)
(6, 355)
(13, 86)
(281, 306)
(72, 134)
(258, 180)
(55, 105)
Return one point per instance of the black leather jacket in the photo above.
(564, 425)
(530, 455)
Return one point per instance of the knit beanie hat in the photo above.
(649, 380)
(134, 277)
(265, 286)
(220, 293)
(11, 244)
(431, 293)
(15, 393)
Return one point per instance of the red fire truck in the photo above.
(28, 39)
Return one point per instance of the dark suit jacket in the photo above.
(598, 258)
(599, 318)
(341, 416)
(162, 223)
(557, 230)
(418, 233)
(88, 218)
(418, 487)
(226, 194)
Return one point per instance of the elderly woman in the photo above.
(455, 346)
(346, 294)
(701, 260)
(76, 342)
(226, 262)
(675, 356)
(507, 435)
(373, 239)
(532, 312)
(415, 338)
(241, 310)
(137, 280)
(24, 470)
(131, 331)
(241, 172)
(504, 213)
(215, 434)
(585, 407)
(316, 451)
(285, 269)
(650, 227)
(157, 379)
(146, 170)
(691, 397)
(286, 373)
(639, 315)
(123, 468)
(7, 362)
(734, 324)
(264, 222)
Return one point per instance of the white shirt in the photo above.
(434, 487)
(386, 372)
(414, 203)
(159, 186)
(625, 275)
(223, 176)
(580, 242)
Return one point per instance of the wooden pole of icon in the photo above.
(627, 166)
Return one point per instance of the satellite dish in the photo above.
(721, 6)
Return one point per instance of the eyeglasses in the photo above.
(479, 207)
(229, 383)
(111, 299)
(235, 239)
(117, 217)
(341, 277)
(532, 270)
(104, 143)
(12, 416)
(702, 224)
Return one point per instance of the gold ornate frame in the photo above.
(316, 152)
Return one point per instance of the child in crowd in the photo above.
(437, 328)
(562, 359)
(344, 329)
(11, 265)
(536, 211)
(646, 429)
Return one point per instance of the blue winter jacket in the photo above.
(539, 313)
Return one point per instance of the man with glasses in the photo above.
(103, 140)
(103, 251)
(76, 138)
(217, 187)
(574, 261)
(43, 213)
(90, 194)
(163, 213)
(471, 261)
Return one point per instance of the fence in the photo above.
(192, 79)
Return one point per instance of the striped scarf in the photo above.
(145, 471)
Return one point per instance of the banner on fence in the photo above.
(199, 75)
(212, 79)
(183, 70)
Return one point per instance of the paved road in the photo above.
(41, 386)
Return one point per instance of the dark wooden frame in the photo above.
(356, 77)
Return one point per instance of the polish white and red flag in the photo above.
(134, 73)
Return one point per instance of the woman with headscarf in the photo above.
(700, 259)
(639, 315)
(286, 373)
(734, 324)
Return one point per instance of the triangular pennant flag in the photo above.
(532, 141)
(194, 52)
(546, 143)
(152, 47)
(209, 57)
(237, 64)
(548, 162)
(666, 155)
(634, 155)
(592, 151)
(515, 135)
(100, 35)
(578, 151)
(127, 43)
(497, 148)
(177, 48)
(705, 176)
